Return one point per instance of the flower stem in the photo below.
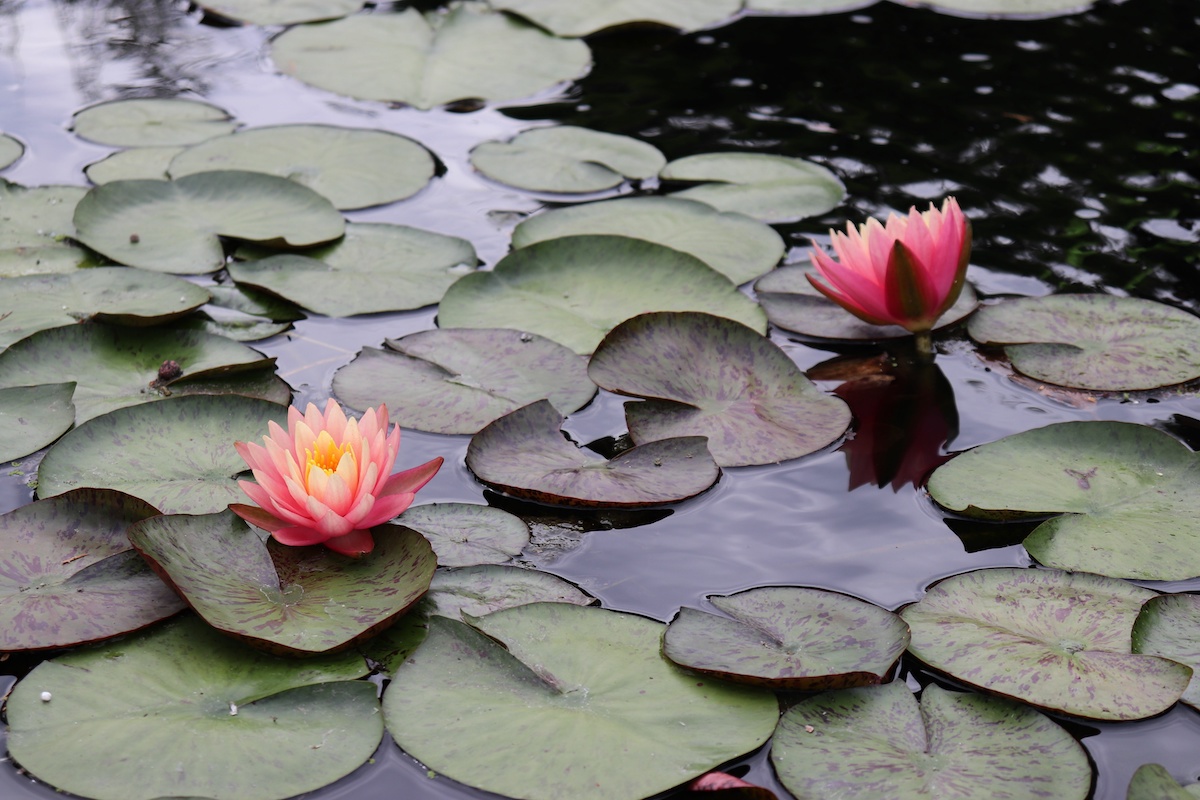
(924, 346)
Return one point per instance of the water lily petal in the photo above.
(356, 543)
(299, 537)
(257, 516)
(411, 480)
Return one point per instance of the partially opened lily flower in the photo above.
(327, 479)
(907, 271)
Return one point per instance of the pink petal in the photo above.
(356, 543)
(299, 537)
(257, 516)
(387, 507)
(411, 480)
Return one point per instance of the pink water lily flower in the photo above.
(905, 272)
(327, 479)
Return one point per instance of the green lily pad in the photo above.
(282, 12)
(376, 267)
(1056, 640)
(710, 376)
(787, 637)
(33, 417)
(176, 454)
(1153, 782)
(793, 304)
(117, 367)
(254, 303)
(525, 454)
(567, 159)
(285, 600)
(467, 534)
(426, 60)
(175, 226)
(37, 225)
(580, 18)
(244, 315)
(1126, 495)
(10, 150)
(151, 122)
(1003, 9)
(581, 692)
(875, 742)
(487, 588)
(136, 163)
(1169, 626)
(106, 294)
(575, 289)
(738, 247)
(69, 577)
(1094, 341)
(183, 711)
(767, 187)
(352, 167)
(457, 380)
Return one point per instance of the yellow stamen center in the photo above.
(326, 454)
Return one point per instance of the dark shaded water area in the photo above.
(1069, 142)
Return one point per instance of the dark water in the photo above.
(1070, 143)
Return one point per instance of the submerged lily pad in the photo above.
(151, 715)
(710, 376)
(175, 226)
(1094, 341)
(136, 163)
(458, 380)
(1127, 496)
(525, 454)
(767, 187)
(177, 454)
(788, 637)
(581, 692)
(426, 60)
(352, 167)
(1169, 626)
(151, 122)
(282, 12)
(33, 417)
(487, 588)
(575, 289)
(564, 158)
(467, 534)
(1056, 640)
(576, 18)
(37, 224)
(10, 150)
(1153, 782)
(738, 247)
(68, 575)
(862, 744)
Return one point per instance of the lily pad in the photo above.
(176, 454)
(376, 267)
(710, 376)
(457, 380)
(575, 289)
(282, 12)
(1056, 640)
(1169, 626)
(244, 314)
(581, 692)
(426, 60)
(1153, 782)
(69, 577)
(787, 637)
(1003, 9)
(806, 7)
(567, 159)
(183, 711)
(738, 247)
(136, 163)
(1126, 495)
(793, 304)
(10, 150)
(575, 18)
(175, 226)
(352, 167)
(874, 742)
(525, 454)
(116, 367)
(33, 417)
(1094, 341)
(34, 238)
(767, 187)
(467, 534)
(487, 588)
(151, 122)
(285, 600)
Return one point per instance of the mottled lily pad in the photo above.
(352, 167)
(789, 638)
(710, 376)
(68, 575)
(767, 187)
(458, 380)
(176, 454)
(151, 122)
(10, 150)
(426, 60)
(1003, 9)
(136, 163)
(581, 692)
(575, 289)
(467, 534)
(175, 226)
(285, 600)
(37, 224)
(862, 744)
(567, 159)
(1126, 496)
(1153, 782)
(33, 417)
(738, 247)
(525, 455)
(484, 589)
(244, 314)
(1056, 640)
(1169, 626)
(282, 12)
(581, 17)
(1094, 341)
(150, 715)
